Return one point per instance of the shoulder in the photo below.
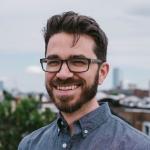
(42, 132)
(130, 136)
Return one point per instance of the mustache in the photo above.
(68, 81)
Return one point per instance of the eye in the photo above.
(79, 62)
(52, 63)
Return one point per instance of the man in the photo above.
(74, 65)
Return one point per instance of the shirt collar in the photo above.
(61, 123)
(87, 123)
(95, 118)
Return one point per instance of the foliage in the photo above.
(17, 122)
(7, 96)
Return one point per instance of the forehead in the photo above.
(61, 44)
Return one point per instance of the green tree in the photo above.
(15, 124)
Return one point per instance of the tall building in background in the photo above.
(1, 85)
(117, 81)
(1, 90)
(149, 87)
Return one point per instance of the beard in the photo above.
(87, 94)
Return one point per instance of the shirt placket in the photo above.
(66, 141)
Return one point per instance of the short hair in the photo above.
(73, 23)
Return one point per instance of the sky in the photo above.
(126, 24)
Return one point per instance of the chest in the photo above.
(90, 141)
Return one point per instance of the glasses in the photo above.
(76, 65)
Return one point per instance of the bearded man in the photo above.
(75, 64)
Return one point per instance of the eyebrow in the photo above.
(70, 57)
(77, 56)
(53, 57)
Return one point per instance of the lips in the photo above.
(65, 92)
(66, 88)
(66, 85)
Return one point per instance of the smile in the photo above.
(66, 88)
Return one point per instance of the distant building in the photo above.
(117, 81)
(1, 85)
(1, 90)
(146, 127)
(149, 87)
(132, 86)
(141, 93)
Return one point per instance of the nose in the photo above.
(64, 72)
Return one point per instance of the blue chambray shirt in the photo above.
(98, 130)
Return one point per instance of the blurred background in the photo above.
(24, 104)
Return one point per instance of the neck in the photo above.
(85, 109)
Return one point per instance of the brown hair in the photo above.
(71, 22)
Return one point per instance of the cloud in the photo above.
(142, 9)
(4, 79)
(36, 70)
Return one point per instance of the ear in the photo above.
(103, 71)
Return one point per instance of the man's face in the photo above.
(70, 91)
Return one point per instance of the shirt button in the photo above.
(86, 131)
(64, 145)
(62, 123)
(58, 129)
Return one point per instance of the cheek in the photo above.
(48, 77)
(91, 73)
(88, 77)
